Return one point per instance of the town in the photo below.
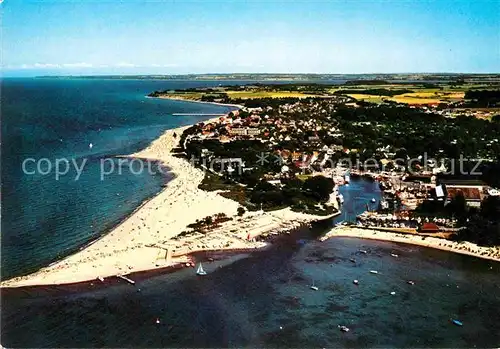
(435, 162)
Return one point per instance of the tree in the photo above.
(319, 187)
(490, 208)
(240, 211)
(208, 220)
(458, 208)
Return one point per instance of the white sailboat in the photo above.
(200, 270)
(313, 287)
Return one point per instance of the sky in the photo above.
(179, 37)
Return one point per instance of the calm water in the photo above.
(265, 301)
(44, 218)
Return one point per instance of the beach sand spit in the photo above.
(135, 244)
(468, 248)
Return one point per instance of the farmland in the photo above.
(445, 93)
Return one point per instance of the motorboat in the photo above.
(344, 328)
(355, 282)
(493, 192)
(373, 272)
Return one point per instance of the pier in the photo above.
(126, 279)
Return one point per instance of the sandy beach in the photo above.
(468, 248)
(139, 243)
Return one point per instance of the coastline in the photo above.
(466, 248)
(138, 242)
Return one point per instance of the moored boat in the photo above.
(344, 328)
(200, 270)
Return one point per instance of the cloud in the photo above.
(168, 65)
(41, 66)
(85, 65)
(78, 65)
(125, 65)
(50, 66)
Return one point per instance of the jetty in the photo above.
(126, 279)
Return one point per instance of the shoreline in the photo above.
(465, 247)
(139, 242)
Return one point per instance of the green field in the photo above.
(267, 94)
(409, 93)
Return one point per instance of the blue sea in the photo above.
(258, 300)
(44, 217)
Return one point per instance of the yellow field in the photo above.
(423, 96)
(266, 94)
(428, 97)
(368, 98)
(415, 99)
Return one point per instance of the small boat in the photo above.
(347, 178)
(373, 271)
(340, 198)
(393, 293)
(373, 200)
(457, 322)
(157, 320)
(90, 145)
(100, 278)
(352, 260)
(344, 328)
(362, 251)
(355, 282)
(410, 282)
(200, 270)
(493, 192)
(394, 255)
